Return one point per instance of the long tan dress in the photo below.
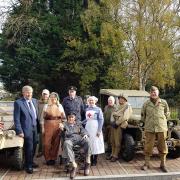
(52, 117)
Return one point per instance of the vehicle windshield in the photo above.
(137, 102)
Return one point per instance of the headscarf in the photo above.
(112, 99)
(94, 98)
(56, 95)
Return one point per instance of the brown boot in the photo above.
(147, 164)
(87, 169)
(114, 159)
(163, 166)
(146, 167)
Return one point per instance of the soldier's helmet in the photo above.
(124, 96)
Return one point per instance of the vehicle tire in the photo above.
(128, 151)
(17, 159)
(176, 152)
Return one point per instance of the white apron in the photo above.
(96, 143)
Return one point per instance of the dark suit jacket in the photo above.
(23, 117)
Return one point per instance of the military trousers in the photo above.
(68, 148)
(116, 138)
(161, 143)
(107, 135)
(41, 136)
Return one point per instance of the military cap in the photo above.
(154, 88)
(71, 114)
(45, 91)
(124, 96)
(73, 88)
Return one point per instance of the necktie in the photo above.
(32, 113)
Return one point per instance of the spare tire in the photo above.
(174, 153)
(128, 150)
(17, 159)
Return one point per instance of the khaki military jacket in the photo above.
(155, 115)
(122, 114)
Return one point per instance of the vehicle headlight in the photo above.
(141, 123)
(170, 124)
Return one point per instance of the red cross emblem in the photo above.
(89, 115)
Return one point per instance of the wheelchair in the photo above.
(79, 158)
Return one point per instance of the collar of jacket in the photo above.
(70, 98)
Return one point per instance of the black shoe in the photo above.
(50, 162)
(53, 162)
(94, 163)
(29, 170)
(60, 159)
(35, 165)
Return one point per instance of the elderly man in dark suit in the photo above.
(25, 119)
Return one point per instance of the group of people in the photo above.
(61, 126)
(154, 114)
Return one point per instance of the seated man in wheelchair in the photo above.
(75, 134)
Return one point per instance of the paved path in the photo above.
(104, 170)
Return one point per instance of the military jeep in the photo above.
(133, 135)
(11, 146)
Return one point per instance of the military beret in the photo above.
(123, 96)
(73, 88)
(154, 88)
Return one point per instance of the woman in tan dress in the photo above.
(53, 115)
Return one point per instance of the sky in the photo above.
(4, 5)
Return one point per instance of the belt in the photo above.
(54, 118)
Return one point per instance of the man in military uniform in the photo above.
(155, 112)
(73, 103)
(41, 103)
(119, 121)
(75, 134)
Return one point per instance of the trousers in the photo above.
(161, 143)
(68, 148)
(30, 143)
(116, 138)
